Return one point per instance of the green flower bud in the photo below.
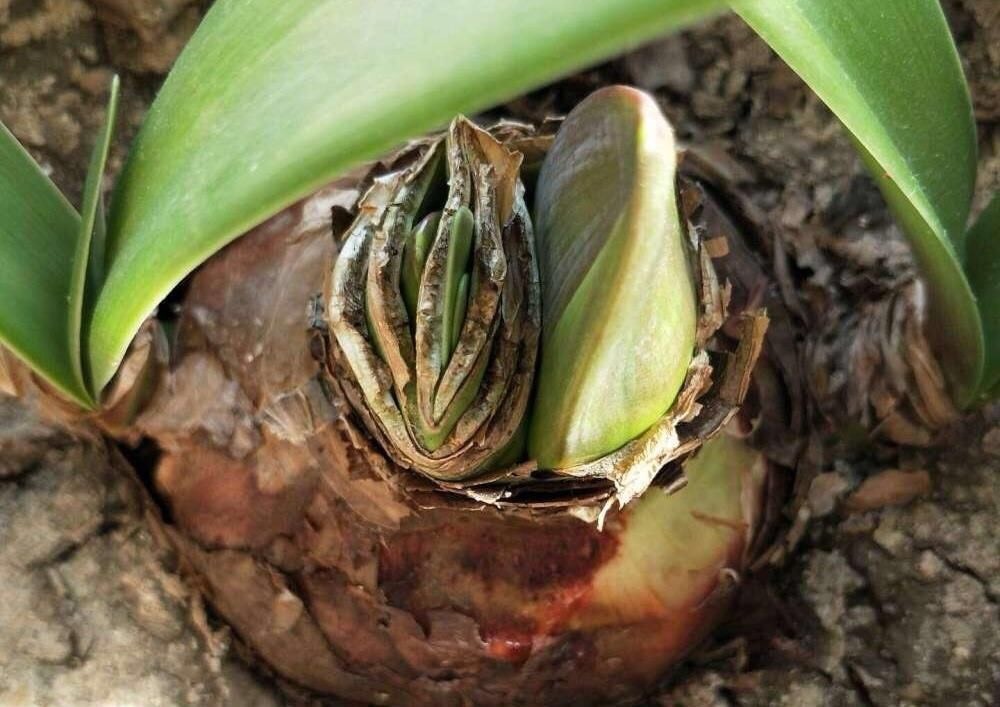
(619, 303)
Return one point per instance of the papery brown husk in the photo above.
(848, 364)
(859, 314)
(406, 381)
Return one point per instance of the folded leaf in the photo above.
(88, 261)
(890, 71)
(270, 100)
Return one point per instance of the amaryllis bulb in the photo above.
(355, 495)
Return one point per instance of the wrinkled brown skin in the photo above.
(858, 324)
(305, 539)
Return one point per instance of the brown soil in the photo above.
(896, 605)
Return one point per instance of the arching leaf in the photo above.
(890, 71)
(270, 100)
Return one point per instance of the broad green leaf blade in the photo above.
(890, 71)
(982, 263)
(88, 262)
(38, 233)
(271, 99)
(618, 295)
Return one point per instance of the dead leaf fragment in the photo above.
(892, 487)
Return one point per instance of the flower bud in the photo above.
(618, 293)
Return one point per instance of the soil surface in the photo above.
(891, 599)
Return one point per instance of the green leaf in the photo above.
(270, 100)
(459, 249)
(890, 71)
(38, 234)
(618, 297)
(983, 267)
(88, 262)
(418, 245)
